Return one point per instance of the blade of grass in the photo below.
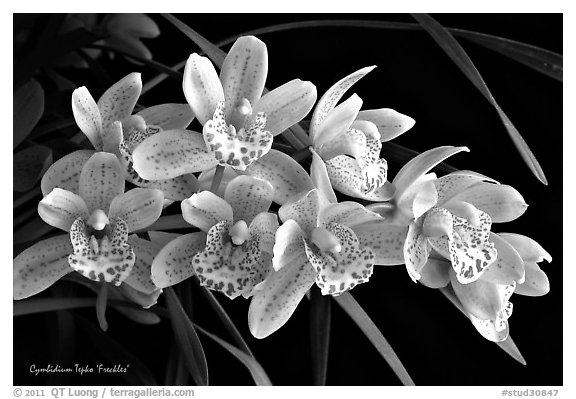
(320, 315)
(457, 54)
(258, 374)
(187, 339)
(363, 321)
(507, 346)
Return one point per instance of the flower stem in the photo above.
(217, 179)
(302, 154)
(101, 303)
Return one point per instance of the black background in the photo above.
(436, 343)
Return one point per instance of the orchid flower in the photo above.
(350, 140)
(235, 251)
(238, 124)
(111, 127)
(98, 216)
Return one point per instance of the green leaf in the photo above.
(320, 314)
(363, 321)
(167, 223)
(447, 42)
(507, 346)
(258, 374)
(28, 107)
(31, 230)
(29, 165)
(187, 339)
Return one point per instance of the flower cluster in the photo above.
(266, 228)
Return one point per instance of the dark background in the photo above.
(436, 343)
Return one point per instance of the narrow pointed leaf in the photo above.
(187, 339)
(363, 321)
(29, 165)
(445, 40)
(28, 108)
(320, 315)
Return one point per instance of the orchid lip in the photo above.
(325, 240)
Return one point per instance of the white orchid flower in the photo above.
(234, 251)
(98, 216)
(350, 140)
(238, 122)
(111, 127)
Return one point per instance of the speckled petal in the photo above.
(341, 271)
(206, 177)
(225, 267)
(65, 172)
(536, 282)
(420, 197)
(527, 248)
(140, 277)
(101, 179)
(320, 179)
(508, 266)
(87, 116)
(264, 225)
(168, 116)
(118, 101)
(419, 166)
(329, 100)
(277, 297)
(503, 203)
(173, 263)
(374, 169)
(61, 208)
(288, 245)
(237, 149)
(176, 189)
(139, 207)
(41, 265)
(109, 259)
(244, 71)
(480, 298)
(285, 105)
(112, 136)
(205, 209)
(351, 142)
(248, 196)
(384, 239)
(416, 250)
(347, 213)
(172, 153)
(390, 123)
(286, 175)
(457, 182)
(141, 298)
(303, 209)
(202, 87)
(488, 330)
(436, 273)
(336, 123)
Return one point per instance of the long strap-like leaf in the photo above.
(320, 315)
(362, 320)
(447, 42)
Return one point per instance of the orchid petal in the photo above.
(108, 260)
(176, 189)
(205, 209)
(488, 330)
(248, 196)
(276, 298)
(140, 277)
(319, 176)
(347, 213)
(119, 100)
(285, 105)
(508, 266)
(237, 149)
(384, 239)
(329, 100)
(303, 209)
(369, 129)
(168, 116)
(173, 263)
(61, 208)
(435, 273)
(425, 199)
(337, 122)
(41, 265)
(264, 225)
(162, 238)
(347, 177)
(244, 71)
(527, 248)
(112, 136)
(101, 179)
(87, 116)
(536, 282)
(286, 175)
(206, 177)
(480, 298)
(172, 153)
(139, 207)
(374, 169)
(457, 182)
(65, 172)
(416, 251)
(341, 271)
(141, 298)
(418, 198)
(288, 245)
(224, 267)
(390, 123)
(419, 166)
(202, 87)
(350, 142)
(503, 203)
